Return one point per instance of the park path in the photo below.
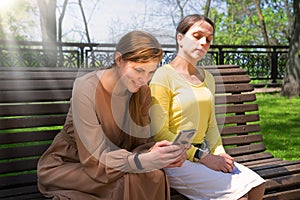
(266, 90)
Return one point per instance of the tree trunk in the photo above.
(262, 22)
(84, 21)
(291, 81)
(207, 8)
(1, 29)
(47, 10)
(60, 20)
(178, 2)
(289, 17)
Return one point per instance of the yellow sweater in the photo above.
(178, 105)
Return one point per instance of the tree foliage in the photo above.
(16, 20)
(240, 24)
(237, 22)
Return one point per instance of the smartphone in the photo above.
(184, 137)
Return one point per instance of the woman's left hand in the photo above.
(229, 160)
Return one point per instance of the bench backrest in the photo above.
(34, 103)
(33, 107)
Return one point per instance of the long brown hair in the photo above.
(140, 47)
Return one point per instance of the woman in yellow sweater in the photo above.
(183, 98)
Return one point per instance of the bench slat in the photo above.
(21, 152)
(18, 165)
(253, 157)
(234, 88)
(235, 98)
(39, 72)
(24, 196)
(34, 96)
(227, 71)
(20, 75)
(36, 121)
(273, 164)
(283, 182)
(237, 108)
(263, 161)
(19, 137)
(20, 193)
(17, 180)
(238, 119)
(11, 85)
(243, 139)
(293, 194)
(241, 129)
(246, 149)
(34, 109)
(232, 79)
(279, 171)
(227, 66)
(41, 69)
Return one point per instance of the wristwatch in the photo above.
(201, 152)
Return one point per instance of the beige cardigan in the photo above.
(84, 161)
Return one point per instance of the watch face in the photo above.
(203, 150)
(198, 154)
(204, 147)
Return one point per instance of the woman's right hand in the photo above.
(163, 154)
(224, 163)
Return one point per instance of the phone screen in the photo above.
(184, 137)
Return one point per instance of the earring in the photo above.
(180, 45)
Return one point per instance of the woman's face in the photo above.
(134, 75)
(196, 42)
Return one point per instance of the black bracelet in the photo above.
(137, 161)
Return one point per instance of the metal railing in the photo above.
(263, 63)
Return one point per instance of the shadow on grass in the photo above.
(279, 120)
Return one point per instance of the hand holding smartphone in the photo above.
(184, 137)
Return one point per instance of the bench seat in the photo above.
(33, 107)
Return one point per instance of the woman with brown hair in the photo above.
(105, 149)
(183, 98)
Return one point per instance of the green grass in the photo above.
(280, 124)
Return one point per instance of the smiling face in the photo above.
(134, 75)
(194, 44)
(136, 58)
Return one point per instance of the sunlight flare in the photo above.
(5, 5)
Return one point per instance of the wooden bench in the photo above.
(33, 107)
